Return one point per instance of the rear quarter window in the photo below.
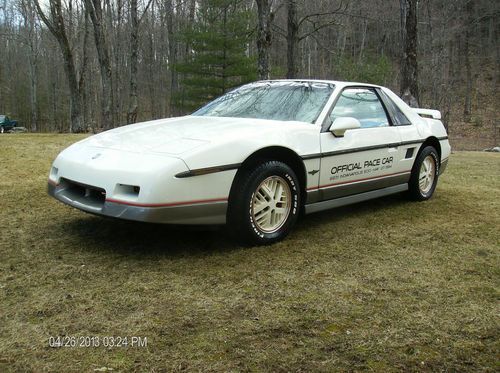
(397, 116)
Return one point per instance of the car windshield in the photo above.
(286, 101)
(2, 118)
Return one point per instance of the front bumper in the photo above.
(209, 212)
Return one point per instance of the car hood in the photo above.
(176, 136)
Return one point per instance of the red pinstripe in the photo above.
(166, 204)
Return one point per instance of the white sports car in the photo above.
(256, 157)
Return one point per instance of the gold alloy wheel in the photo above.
(271, 204)
(427, 174)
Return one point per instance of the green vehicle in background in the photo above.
(6, 124)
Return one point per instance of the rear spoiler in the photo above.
(428, 113)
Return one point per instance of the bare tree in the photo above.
(82, 81)
(292, 38)
(264, 37)
(55, 23)
(134, 49)
(409, 66)
(94, 7)
(468, 20)
(134, 52)
(172, 51)
(315, 21)
(28, 12)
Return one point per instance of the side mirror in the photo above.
(340, 125)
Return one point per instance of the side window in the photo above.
(397, 116)
(362, 104)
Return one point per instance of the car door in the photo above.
(366, 158)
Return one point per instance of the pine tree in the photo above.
(218, 61)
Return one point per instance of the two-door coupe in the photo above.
(258, 156)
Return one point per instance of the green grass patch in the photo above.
(387, 285)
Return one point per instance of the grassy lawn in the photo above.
(388, 285)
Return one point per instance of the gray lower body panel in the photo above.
(352, 188)
(362, 186)
(343, 201)
(210, 213)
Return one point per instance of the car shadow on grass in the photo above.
(137, 238)
(144, 239)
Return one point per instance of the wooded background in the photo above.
(87, 65)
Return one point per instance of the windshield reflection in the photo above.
(285, 101)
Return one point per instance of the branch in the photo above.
(44, 18)
(279, 30)
(482, 18)
(276, 10)
(316, 29)
(343, 13)
(321, 14)
(321, 45)
(145, 11)
(90, 6)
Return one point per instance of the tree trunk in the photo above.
(82, 83)
(96, 15)
(28, 13)
(224, 52)
(134, 48)
(151, 67)
(264, 38)
(33, 93)
(114, 19)
(76, 114)
(364, 29)
(56, 26)
(468, 19)
(409, 67)
(172, 55)
(292, 38)
(468, 74)
(191, 18)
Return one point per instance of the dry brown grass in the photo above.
(387, 285)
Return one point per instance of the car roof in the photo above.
(335, 82)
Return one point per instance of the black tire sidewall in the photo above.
(415, 191)
(242, 216)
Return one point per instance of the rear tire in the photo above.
(424, 175)
(264, 203)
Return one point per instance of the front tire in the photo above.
(264, 204)
(424, 176)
